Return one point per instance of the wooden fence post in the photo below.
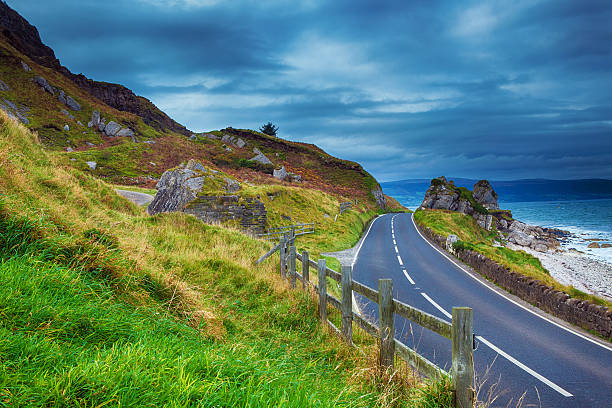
(385, 312)
(322, 290)
(347, 302)
(305, 269)
(283, 244)
(292, 266)
(463, 356)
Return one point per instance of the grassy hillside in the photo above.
(104, 305)
(473, 237)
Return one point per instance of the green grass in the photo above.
(102, 304)
(472, 236)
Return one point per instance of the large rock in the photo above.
(484, 194)
(95, 119)
(92, 164)
(112, 128)
(102, 124)
(233, 140)
(44, 84)
(72, 104)
(26, 67)
(261, 158)
(520, 238)
(176, 188)
(280, 174)
(125, 132)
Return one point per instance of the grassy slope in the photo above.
(474, 237)
(102, 304)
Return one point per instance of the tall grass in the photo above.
(102, 305)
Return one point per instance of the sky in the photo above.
(495, 89)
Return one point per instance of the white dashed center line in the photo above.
(399, 259)
(504, 354)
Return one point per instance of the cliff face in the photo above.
(26, 39)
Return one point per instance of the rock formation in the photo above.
(180, 189)
(380, 198)
(260, 157)
(485, 195)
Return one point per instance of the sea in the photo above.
(584, 219)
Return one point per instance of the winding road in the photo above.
(526, 353)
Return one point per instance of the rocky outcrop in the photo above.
(3, 86)
(112, 128)
(534, 237)
(180, 189)
(281, 173)
(16, 112)
(25, 38)
(380, 198)
(233, 140)
(484, 194)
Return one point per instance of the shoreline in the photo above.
(574, 268)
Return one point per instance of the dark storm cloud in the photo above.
(492, 89)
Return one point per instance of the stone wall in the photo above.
(249, 212)
(581, 313)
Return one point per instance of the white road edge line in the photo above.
(437, 306)
(363, 240)
(408, 277)
(506, 297)
(525, 368)
(504, 354)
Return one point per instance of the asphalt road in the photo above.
(524, 353)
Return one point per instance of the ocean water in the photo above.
(587, 219)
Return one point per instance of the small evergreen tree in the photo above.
(269, 129)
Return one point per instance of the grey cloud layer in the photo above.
(492, 89)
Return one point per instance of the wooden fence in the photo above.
(460, 331)
(292, 230)
(345, 206)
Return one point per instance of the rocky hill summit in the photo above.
(482, 205)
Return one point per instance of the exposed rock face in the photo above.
(25, 38)
(178, 190)
(443, 195)
(534, 237)
(484, 194)
(72, 104)
(3, 86)
(44, 84)
(26, 67)
(379, 197)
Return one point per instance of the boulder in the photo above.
(520, 238)
(195, 166)
(112, 128)
(261, 158)
(125, 132)
(295, 178)
(539, 246)
(95, 119)
(484, 194)
(9, 104)
(44, 84)
(66, 128)
(69, 149)
(102, 124)
(280, 174)
(26, 67)
(61, 97)
(176, 188)
(3, 86)
(193, 138)
(92, 164)
(72, 104)
(210, 136)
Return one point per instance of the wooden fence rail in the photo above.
(292, 230)
(460, 331)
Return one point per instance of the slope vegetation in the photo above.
(104, 305)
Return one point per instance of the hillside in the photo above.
(73, 114)
(103, 304)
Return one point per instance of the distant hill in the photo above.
(108, 131)
(411, 192)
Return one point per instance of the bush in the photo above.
(462, 245)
